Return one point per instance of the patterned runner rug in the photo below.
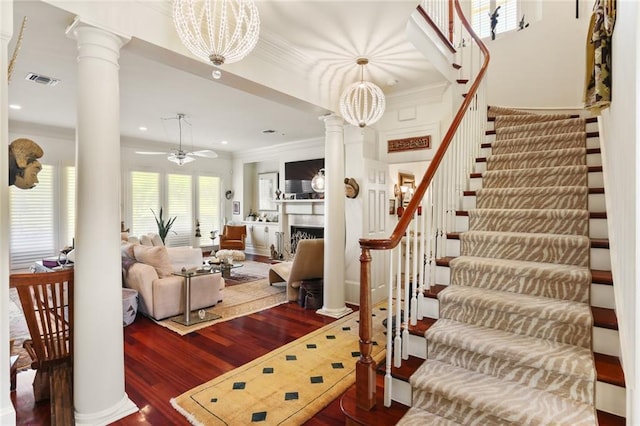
(288, 385)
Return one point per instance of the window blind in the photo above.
(208, 207)
(33, 220)
(180, 205)
(70, 210)
(145, 196)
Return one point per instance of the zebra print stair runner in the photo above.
(513, 342)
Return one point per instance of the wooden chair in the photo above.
(47, 303)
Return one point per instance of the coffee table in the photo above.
(188, 317)
(225, 268)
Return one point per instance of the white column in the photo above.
(99, 394)
(7, 412)
(334, 224)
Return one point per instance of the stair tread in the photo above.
(512, 156)
(519, 267)
(433, 291)
(490, 119)
(592, 215)
(594, 242)
(597, 276)
(421, 326)
(476, 175)
(609, 369)
(562, 311)
(419, 416)
(473, 193)
(518, 349)
(506, 400)
(604, 318)
(589, 134)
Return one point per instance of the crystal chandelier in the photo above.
(362, 103)
(220, 31)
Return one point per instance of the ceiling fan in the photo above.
(180, 156)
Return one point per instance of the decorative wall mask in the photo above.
(351, 188)
(23, 163)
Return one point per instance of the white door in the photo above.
(376, 199)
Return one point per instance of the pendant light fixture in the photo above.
(362, 103)
(219, 31)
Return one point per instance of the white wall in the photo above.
(620, 136)
(542, 65)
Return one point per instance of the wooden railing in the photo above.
(425, 220)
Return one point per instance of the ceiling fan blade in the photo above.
(152, 153)
(207, 153)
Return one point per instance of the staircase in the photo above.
(526, 331)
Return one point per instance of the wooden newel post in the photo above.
(365, 367)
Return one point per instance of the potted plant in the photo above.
(164, 226)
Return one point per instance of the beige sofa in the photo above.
(149, 269)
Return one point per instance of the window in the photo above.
(481, 11)
(189, 198)
(32, 216)
(208, 207)
(180, 205)
(145, 196)
(42, 219)
(70, 209)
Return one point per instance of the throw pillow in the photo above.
(156, 257)
(145, 240)
(156, 240)
(127, 249)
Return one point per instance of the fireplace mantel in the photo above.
(311, 206)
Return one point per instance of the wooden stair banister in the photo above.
(365, 366)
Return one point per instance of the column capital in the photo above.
(332, 122)
(87, 35)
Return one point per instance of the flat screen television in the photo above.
(298, 176)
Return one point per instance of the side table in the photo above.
(188, 317)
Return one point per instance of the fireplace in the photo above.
(304, 233)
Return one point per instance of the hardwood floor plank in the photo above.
(160, 364)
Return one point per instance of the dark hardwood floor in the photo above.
(160, 364)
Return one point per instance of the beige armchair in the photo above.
(232, 237)
(307, 264)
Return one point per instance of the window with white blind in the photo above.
(145, 197)
(208, 207)
(188, 198)
(70, 206)
(180, 206)
(482, 9)
(33, 220)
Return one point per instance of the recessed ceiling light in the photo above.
(15, 106)
(224, 142)
(142, 128)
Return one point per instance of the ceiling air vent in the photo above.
(42, 79)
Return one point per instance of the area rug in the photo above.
(238, 278)
(238, 300)
(288, 385)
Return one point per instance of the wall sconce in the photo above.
(228, 194)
